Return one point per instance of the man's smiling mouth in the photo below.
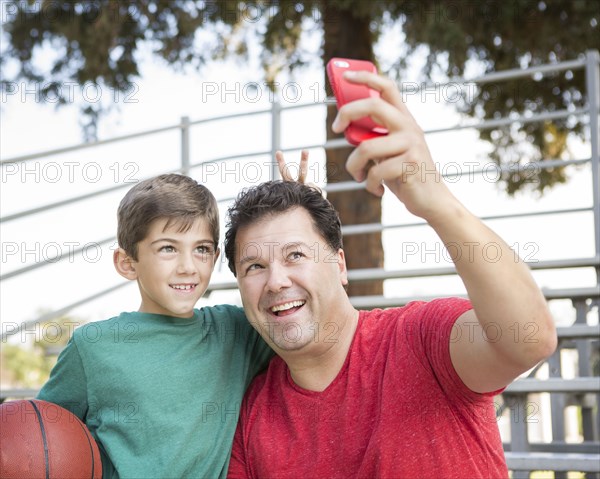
(287, 308)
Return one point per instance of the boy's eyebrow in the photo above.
(172, 240)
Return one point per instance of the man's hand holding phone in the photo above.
(401, 158)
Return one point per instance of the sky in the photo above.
(161, 97)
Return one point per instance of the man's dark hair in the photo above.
(276, 197)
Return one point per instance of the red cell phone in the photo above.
(345, 92)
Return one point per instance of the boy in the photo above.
(160, 388)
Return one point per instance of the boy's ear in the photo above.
(124, 264)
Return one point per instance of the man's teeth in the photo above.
(286, 306)
(182, 286)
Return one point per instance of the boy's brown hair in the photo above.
(178, 198)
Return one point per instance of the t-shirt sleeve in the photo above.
(67, 385)
(260, 353)
(430, 328)
(237, 463)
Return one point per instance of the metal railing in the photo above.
(581, 337)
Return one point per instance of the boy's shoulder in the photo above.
(223, 312)
(98, 328)
(136, 322)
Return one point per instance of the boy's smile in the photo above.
(174, 267)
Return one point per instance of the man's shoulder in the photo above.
(418, 309)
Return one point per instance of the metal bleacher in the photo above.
(525, 402)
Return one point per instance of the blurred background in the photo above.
(96, 96)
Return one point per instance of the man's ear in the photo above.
(342, 267)
(124, 264)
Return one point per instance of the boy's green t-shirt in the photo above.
(161, 395)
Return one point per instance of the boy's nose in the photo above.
(185, 264)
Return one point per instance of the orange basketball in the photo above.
(39, 439)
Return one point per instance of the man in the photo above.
(400, 393)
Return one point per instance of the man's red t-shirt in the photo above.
(397, 409)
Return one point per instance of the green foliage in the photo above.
(29, 364)
(24, 367)
(97, 42)
(505, 35)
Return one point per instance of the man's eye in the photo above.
(167, 249)
(295, 255)
(253, 267)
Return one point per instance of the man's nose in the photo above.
(278, 277)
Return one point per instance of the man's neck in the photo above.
(316, 369)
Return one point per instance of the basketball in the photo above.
(39, 439)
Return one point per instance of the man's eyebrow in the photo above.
(248, 259)
(271, 247)
(299, 244)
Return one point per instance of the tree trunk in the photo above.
(349, 37)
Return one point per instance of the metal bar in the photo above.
(367, 274)
(381, 274)
(92, 144)
(591, 447)
(487, 124)
(537, 165)
(53, 260)
(228, 158)
(592, 81)
(557, 400)
(60, 312)
(75, 199)
(547, 461)
(371, 302)
(575, 385)
(376, 227)
(18, 394)
(275, 139)
(579, 331)
(518, 428)
(533, 165)
(185, 145)
(229, 117)
(507, 74)
(584, 362)
(490, 77)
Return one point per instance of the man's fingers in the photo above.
(385, 86)
(375, 149)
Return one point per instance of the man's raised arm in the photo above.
(507, 303)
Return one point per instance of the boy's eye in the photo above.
(167, 249)
(207, 249)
